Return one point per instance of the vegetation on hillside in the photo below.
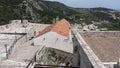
(11, 9)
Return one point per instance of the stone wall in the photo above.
(80, 59)
(84, 57)
(51, 56)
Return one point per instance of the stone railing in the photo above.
(12, 46)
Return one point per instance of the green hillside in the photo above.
(41, 11)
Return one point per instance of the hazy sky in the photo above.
(115, 4)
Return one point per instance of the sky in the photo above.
(114, 4)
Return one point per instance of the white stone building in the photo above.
(57, 36)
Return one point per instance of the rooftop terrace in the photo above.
(106, 45)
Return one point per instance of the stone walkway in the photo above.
(25, 52)
(21, 56)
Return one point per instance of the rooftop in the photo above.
(61, 27)
(106, 45)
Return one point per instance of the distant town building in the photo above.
(15, 21)
(90, 27)
(103, 29)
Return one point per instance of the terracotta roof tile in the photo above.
(61, 27)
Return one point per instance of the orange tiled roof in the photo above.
(61, 27)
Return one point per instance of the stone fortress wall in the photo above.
(106, 36)
(84, 57)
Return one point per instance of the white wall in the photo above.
(54, 40)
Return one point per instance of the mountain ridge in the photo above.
(46, 12)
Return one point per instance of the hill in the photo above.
(42, 11)
(110, 17)
(34, 10)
